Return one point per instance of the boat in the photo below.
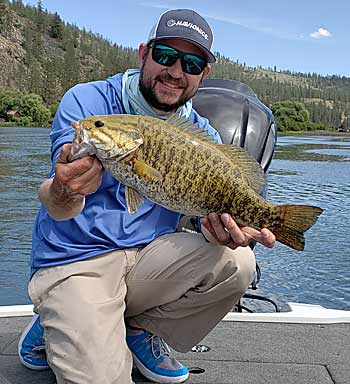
(296, 344)
(304, 344)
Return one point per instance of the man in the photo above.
(109, 287)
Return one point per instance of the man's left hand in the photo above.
(222, 229)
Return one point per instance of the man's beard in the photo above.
(150, 96)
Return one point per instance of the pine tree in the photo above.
(56, 27)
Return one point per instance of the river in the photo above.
(306, 170)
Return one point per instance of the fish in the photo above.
(179, 166)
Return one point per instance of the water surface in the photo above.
(311, 170)
(306, 170)
(24, 163)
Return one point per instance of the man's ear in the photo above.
(206, 71)
(142, 54)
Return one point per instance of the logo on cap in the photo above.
(181, 23)
(170, 23)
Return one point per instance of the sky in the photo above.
(298, 35)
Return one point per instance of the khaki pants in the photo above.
(178, 287)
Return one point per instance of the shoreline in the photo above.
(7, 125)
(313, 133)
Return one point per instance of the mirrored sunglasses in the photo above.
(167, 56)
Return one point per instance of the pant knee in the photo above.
(242, 266)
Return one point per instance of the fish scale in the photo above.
(180, 167)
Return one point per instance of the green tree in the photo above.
(291, 115)
(8, 101)
(32, 106)
(41, 18)
(56, 27)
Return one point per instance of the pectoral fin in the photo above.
(146, 171)
(133, 200)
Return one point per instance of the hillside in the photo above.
(42, 54)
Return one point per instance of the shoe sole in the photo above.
(24, 334)
(156, 377)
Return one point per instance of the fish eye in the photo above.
(99, 123)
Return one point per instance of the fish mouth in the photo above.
(76, 125)
(81, 145)
(80, 135)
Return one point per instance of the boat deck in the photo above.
(240, 352)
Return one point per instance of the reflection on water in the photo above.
(345, 153)
(314, 148)
(305, 170)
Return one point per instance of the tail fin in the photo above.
(296, 220)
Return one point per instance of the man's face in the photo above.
(167, 88)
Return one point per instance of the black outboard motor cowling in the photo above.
(235, 111)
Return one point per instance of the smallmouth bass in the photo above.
(180, 167)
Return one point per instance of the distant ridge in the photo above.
(41, 53)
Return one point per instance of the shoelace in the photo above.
(38, 349)
(159, 346)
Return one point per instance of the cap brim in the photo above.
(208, 55)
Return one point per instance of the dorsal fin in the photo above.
(249, 167)
(189, 127)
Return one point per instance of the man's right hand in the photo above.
(64, 194)
(82, 176)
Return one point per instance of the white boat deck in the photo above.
(285, 348)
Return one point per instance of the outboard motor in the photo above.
(235, 111)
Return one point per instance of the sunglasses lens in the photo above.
(167, 56)
(192, 64)
(164, 55)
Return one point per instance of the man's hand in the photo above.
(64, 195)
(82, 176)
(225, 231)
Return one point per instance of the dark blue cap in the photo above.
(184, 24)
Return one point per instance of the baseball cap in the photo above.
(184, 24)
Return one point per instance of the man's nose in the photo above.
(175, 70)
